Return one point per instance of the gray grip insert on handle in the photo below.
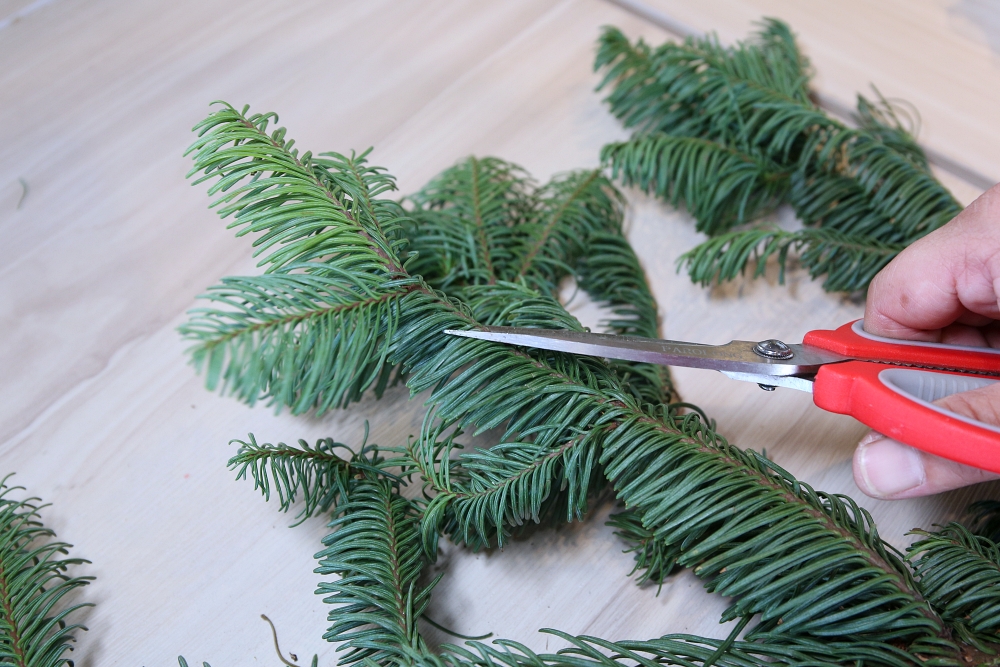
(924, 387)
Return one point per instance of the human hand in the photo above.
(945, 288)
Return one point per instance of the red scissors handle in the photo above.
(898, 401)
(851, 340)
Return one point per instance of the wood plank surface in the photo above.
(108, 246)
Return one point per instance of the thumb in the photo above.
(884, 468)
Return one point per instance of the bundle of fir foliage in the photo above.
(37, 619)
(356, 292)
(733, 132)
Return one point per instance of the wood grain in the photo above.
(100, 415)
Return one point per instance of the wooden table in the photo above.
(100, 415)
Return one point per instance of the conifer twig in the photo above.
(809, 565)
(732, 132)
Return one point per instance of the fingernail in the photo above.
(888, 468)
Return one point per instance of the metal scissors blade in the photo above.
(737, 359)
(847, 371)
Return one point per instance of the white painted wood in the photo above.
(100, 415)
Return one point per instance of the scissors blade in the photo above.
(735, 358)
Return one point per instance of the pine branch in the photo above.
(35, 624)
(959, 573)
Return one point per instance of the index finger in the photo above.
(944, 283)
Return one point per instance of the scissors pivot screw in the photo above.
(773, 349)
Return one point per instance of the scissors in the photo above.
(887, 384)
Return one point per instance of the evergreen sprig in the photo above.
(37, 626)
(808, 565)
(313, 472)
(332, 266)
(721, 186)
(655, 559)
(846, 262)
(375, 553)
(731, 133)
(959, 573)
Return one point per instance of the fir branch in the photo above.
(687, 650)
(306, 208)
(585, 651)
(719, 185)
(467, 238)
(486, 492)
(735, 105)
(849, 262)
(610, 273)
(573, 208)
(959, 573)
(315, 472)
(36, 627)
(332, 264)
(483, 221)
(386, 603)
(901, 191)
(757, 534)
(754, 532)
(375, 552)
(302, 340)
(643, 91)
(655, 560)
(839, 204)
(811, 564)
(882, 119)
(481, 385)
(635, 98)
